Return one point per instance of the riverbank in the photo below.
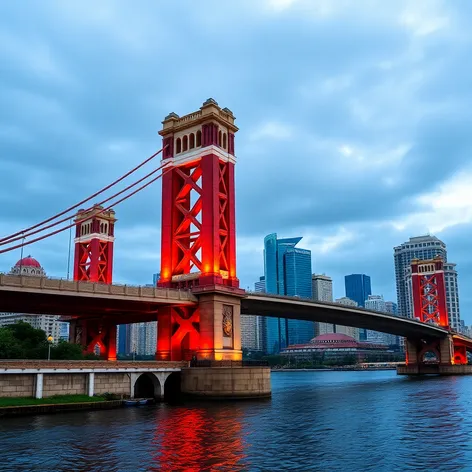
(10, 406)
(336, 369)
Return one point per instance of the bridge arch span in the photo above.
(427, 353)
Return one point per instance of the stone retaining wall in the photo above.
(64, 384)
(17, 385)
(237, 382)
(114, 383)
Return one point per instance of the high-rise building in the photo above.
(452, 295)
(419, 247)
(251, 332)
(50, 324)
(377, 303)
(252, 326)
(322, 288)
(260, 286)
(349, 330)
(425, 248)
(146, 338)
(155, 278)
(138, 338)
(391, 307)
(358, 288)
(287, 271)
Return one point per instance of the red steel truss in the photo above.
(178, 333)
(198, 223)
(94, 261)
(429, 292)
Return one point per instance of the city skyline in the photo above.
(328, 148)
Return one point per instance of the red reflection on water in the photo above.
(193, 440)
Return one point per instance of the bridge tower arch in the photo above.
(198, 235)
(93, 262)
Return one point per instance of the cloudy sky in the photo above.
(354, 117)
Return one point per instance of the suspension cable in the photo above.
(40, 230)
(8, 238)
(60, 230)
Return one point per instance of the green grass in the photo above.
(12, 401)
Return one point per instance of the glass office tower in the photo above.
(358, 288)
(287, 272)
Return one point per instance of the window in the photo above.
(224, 140)
(199, 138)
(178, 146)
(192, 141)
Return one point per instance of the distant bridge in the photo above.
(335, 313)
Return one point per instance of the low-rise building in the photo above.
(337, 347)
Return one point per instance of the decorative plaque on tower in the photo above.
(227, 326)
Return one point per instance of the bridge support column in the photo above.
(446, 351)
(178, 333)
(164, 334)
(411, 352)
(460, 355)
(220, 324)
(95, 335)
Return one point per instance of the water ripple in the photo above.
(355, 421)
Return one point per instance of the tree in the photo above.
(22, 341)
(10, 347)
(67, 351)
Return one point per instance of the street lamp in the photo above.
(50, 341)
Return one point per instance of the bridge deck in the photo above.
(335, 313)
(41, 295)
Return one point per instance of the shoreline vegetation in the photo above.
(54, 400)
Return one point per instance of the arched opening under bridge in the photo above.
(147, 386)
(172, 390)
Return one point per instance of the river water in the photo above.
(315, 421)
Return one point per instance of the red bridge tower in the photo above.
(198, 248)
(428, 290)
(93, 262)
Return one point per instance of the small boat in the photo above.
(130, 402)
(143, 401)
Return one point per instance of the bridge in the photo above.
(197, 300)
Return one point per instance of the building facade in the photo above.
(287, 271)
(358, 288)
(252, 327)
(337, 347)
(50, 324)
(347, 330)
(452, 295)
(322, 288)
(419, 247)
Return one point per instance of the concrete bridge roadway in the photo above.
(335, 313)
(41, 295)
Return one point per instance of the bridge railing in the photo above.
(48, 283)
